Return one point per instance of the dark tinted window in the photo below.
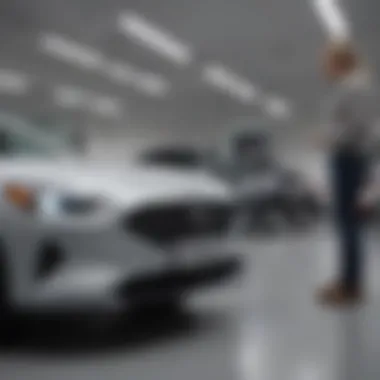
(177, 158)
(5, 143)
(15, 143)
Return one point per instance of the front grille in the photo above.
(166, 224)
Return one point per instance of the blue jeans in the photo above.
(349, 170)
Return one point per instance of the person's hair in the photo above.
(342, 57)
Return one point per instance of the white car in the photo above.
(82, 237)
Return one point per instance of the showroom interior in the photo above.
(166, 210)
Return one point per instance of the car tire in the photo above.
(164, 308)
(170, 307)
(6, 315)
(4, 280)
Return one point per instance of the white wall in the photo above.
(311, 163)
(126, 143)
(299, 149)
(115, 143)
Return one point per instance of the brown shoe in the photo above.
(336, 295)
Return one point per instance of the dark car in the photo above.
(185, 157)
(266, 189)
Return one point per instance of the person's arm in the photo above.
(369, 196)
(324, 136)
(370, 191)
(323, 139)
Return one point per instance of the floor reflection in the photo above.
(288, 336)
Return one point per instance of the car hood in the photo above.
(124, 184)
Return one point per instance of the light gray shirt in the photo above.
(351, 113)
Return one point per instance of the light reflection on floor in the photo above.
(288, 336)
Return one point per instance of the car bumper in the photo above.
(175, 282)
(90, 292)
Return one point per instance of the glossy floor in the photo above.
(268, 329)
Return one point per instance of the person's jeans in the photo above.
(349, 171)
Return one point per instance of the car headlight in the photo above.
(51, 202)
(20, 196)
(54, 203)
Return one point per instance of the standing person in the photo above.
(349, 131)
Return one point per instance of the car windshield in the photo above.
(19, 137)
(177, 158)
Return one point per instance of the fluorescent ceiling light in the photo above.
(86, 57)
(106, 106)
(277, 108)
(228, 82)
(151, 36)
(151, 84)
(121, 73)
(70, 51)
(13, 82)
(332, 18)
(70, 97)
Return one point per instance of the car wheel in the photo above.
(4, 280)
(6, 315)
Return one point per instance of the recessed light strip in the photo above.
(71, 51)
(121, 73)
(230, 83)
(151, 84)
(151, 36)
(278, 108)
(72, 97)
(147, 83)
(105, 106)
(332, 18)
(14, 82)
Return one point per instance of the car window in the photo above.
(182, 159)
(13, 143)
(18, 138)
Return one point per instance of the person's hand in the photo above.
(321, 141)
(367, 202)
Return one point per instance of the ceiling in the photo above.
(274, 44)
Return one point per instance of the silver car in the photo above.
(82, 237)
